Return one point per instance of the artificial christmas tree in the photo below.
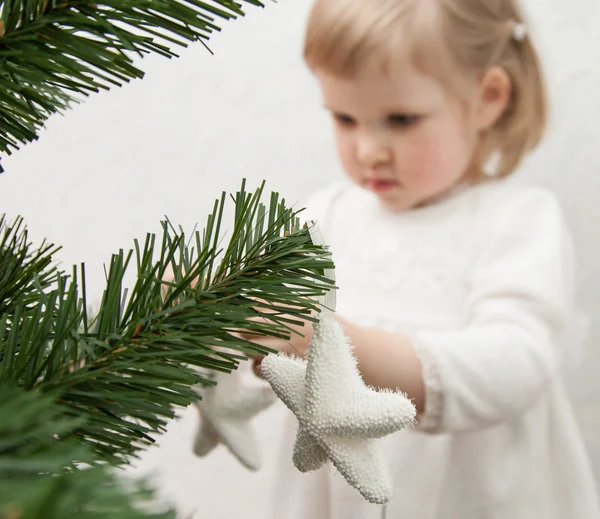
(79, 393)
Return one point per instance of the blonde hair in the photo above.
(441, 37)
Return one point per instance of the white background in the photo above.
(110, 170)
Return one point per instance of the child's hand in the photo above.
(297, 345)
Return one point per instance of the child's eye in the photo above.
(403, 119)
(344, 120)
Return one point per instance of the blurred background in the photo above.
(109, 170)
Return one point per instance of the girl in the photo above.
(455, 286)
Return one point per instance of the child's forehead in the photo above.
(402, 84)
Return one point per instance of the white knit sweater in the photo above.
(482, 282)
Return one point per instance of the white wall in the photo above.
(110, 169)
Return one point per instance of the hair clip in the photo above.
(519, 31)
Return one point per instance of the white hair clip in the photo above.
(519, 32)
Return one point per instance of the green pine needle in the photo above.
(53, 52)
(37, 457)
(25, 273)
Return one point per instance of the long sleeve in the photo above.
(502, 360)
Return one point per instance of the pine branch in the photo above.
(38, 478)
(52, 52)
(24, 273)
(124, 370)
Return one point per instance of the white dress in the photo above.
(482, 282)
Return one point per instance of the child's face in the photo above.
(400, 134)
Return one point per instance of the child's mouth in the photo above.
(379, 185)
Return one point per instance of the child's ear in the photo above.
(495, 88)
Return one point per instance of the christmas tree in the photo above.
(81, 394)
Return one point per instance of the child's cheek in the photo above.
(424, 163)
(433, 161)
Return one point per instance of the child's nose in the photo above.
(372, 150)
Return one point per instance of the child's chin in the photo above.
(397, 203)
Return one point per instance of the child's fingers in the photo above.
(256, 366)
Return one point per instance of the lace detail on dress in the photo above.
(432, 417)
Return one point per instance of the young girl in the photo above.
(455, 286)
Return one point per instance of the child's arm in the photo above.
(387, 360)
(508, 353)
